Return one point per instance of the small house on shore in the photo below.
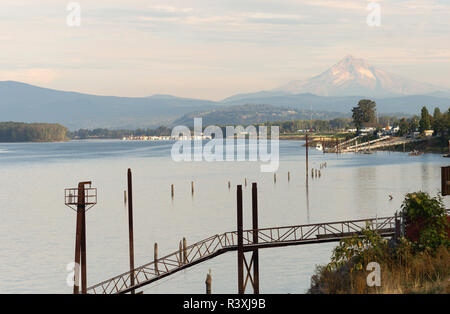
(428, 133)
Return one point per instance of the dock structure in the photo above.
(382, 142)
(245, 242)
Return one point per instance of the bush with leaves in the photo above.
(360, 250)
(407, 267)
(403, 269)
(430, 215)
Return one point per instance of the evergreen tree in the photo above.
(364, 112)
(438, 121)
(424, 123)
(403, 127)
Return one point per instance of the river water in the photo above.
(37, 230)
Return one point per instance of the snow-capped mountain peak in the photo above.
(354, 76)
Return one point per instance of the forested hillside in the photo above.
(33, 132)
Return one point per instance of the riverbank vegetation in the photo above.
(32, 132)
(363, 115)
(101, 133)
(416, 263)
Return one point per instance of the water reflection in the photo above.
(365, 190)
(426, 173)
(36, 232)
(308, 217)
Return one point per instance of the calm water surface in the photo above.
(37, 230)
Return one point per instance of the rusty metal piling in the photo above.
(240, 254)
(255, 238)
(79, 200)
(130, 227)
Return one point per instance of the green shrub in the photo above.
(430, 214)
(359, 250)
(406, 267)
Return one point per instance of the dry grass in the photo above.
(401, 272)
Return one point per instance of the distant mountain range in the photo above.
(330, 94)
(403, 104)
(27, 103)
(353, 77)
(342, 85)
(253, 114)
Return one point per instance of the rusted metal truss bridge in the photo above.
(242, 241)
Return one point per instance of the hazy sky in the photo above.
(215, 48)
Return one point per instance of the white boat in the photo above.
(319, 147)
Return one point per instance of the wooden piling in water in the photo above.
(240, 240)
(172, 190)
(125, 196)
(180, 254)
(208, 282)
(192, 187)
(155, 258)
(229, 185)
(184, 251)
(255, 255)
(274, 178)
(289, 176)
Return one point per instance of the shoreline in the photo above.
(431, 146)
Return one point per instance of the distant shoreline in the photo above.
(433, 146)
(30, 142)
(20, 132)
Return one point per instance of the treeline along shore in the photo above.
(32, 132)
(365, 123)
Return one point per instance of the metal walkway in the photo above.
(220, 244)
